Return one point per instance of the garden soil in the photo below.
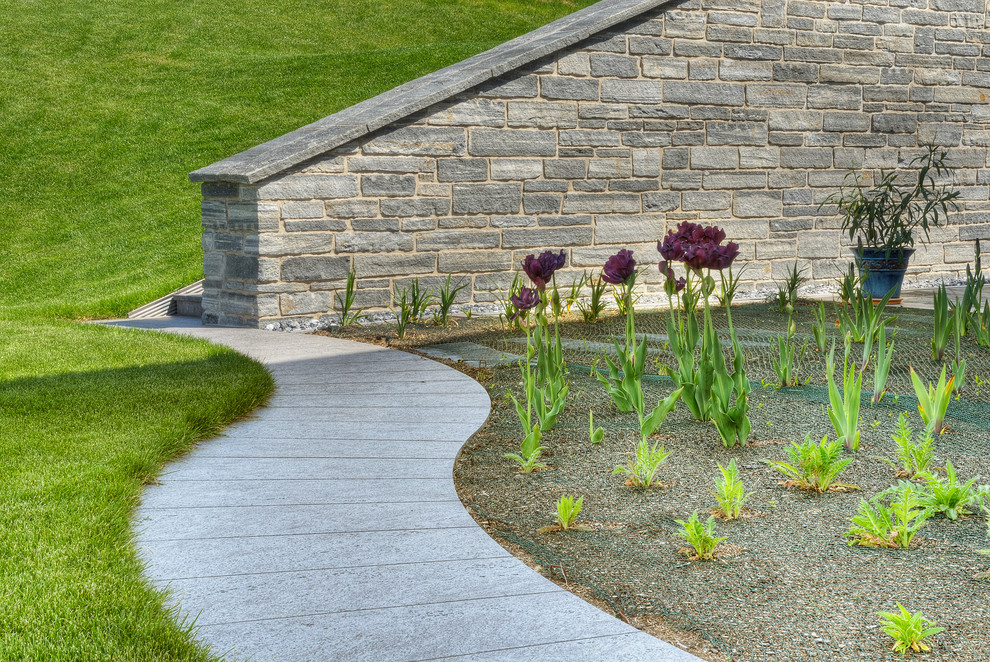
(787, 585)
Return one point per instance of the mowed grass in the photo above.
(88, 415)
(106, 105)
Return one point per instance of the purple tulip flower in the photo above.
(540, 269)
(697, 247)
(619, 268)
(527, 299)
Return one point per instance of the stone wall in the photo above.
(737, 112)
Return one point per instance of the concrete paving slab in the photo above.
(326, 527)
(269, 492)
(288, 594)
(420, 631)
(176, 559)
(237, 522)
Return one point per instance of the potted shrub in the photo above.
(882, 211)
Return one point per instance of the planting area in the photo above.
(785, 584)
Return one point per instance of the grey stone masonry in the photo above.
(600, 132)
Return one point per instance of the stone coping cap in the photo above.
(280, 154)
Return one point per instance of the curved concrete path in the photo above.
(327, 527)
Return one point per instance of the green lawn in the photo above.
(105, 106)
(88, 416)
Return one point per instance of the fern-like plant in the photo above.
(730, 492)
(908, 630)
(812, 466)
(879, 525)
(914, 456)
(700, 536)
(567, 511)
(949, 497)
(643, 467)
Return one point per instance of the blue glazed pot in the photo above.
(881, 273)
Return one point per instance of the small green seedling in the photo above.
(529, 452)
(730, 492)
(567, 511)
(700, 536)
(908, 630)
(933, 401)
(597, 434)
(643, 468)
(813, 466)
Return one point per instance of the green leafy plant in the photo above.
(865, 321)
(849, 284)
(844, 409)
(643, 467)
(972, 293)
(886, 208)
(597, 435)
(445, 301)
(885, 354)
(651, 422)
(730, 287)
(530, 451)
(404, 315)
(933, 401)
(345, 303)
(943, 323)
(700, 536)
(625, 373)
(592, 310)
(949, 497)
(908, 630)
(787, 293)
(813, 466)
(562, 306)
(730, 492)
(419, 300)
(914, 456)
(730, 414)
(567, 511)
(545, 384)
(787, 361)
(509, 316)
(879, 525)
(819, 327)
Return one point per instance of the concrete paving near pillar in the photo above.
(327, 526)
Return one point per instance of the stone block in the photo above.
(462, 170)
(373, 242)
(512, 86)
(743, 70)
(219, 190)
(418, 141)
(817, 244)
(716, 180)
(780, 95)
(705, 200)
(756, 204)
(737, 133)
(560, 87)
(471, 112)
(661, 202)
(389, 164)
(795, 120)
(543, 114)
(374, 186)
(542, 203)
(562, 221)
(322, 267)
(609, 168)
(645, 45)
(753, 52)
(565, 168)
(295, 243)
(687, 24)
(759, 157)
(415, 207)
(213, 213)
(573, 64)
(840, 97)
(315, 225)
(516, 169)
(797, 72)
(373, 265)
(442, 240)
(601, 203)
(773, 249)
(631, 91)
(305, 303)
(546, 237)
(303, 209)
(714, 158)
(351, 208)
(474, 261)
(590, 138)
(646, 162)
(512, 142)
(487, 198)
(304, 187)
(716, 94)
(627, 229)
(608, 64)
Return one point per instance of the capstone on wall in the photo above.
(737, 112)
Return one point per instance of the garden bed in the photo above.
(787, 585)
